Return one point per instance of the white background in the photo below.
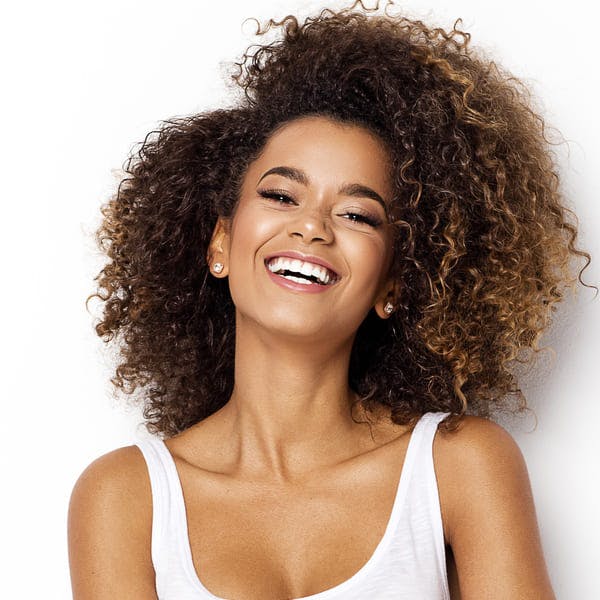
(82, 83)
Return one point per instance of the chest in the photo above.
(267, 542)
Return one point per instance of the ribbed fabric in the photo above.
(409, 562)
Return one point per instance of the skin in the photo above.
(287, 427)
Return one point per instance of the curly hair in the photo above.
(483, 239)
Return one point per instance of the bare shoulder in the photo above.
(110, 526)
(122, 468)
(488, 512)
(113, 487)
(477, 441)
(477, 456)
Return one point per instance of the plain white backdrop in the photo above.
(84, 82)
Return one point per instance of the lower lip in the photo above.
(310, 288)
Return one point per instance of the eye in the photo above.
(357, 217)
(277, 196)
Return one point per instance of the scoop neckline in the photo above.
(183, 540)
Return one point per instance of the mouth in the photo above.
(301, 271)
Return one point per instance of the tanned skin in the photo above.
(287, 426)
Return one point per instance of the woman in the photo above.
(306, 286)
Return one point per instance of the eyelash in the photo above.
(367, 219)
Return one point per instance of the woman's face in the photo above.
(317, 192)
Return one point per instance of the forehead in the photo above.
(327, 149)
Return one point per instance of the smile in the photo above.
(302, 272)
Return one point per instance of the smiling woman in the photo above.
(318, 205)
(305, 286)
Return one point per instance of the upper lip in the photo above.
(304, 257)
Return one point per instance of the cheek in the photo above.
(368, 259)
(248, 234)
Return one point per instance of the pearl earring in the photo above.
(217, 267)
(388, 309)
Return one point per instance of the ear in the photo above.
(388, 297)
(218, 248)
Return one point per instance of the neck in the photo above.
(290, 410)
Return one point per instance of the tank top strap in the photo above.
(419, 454)
(427, 427)
(169, 524)
(423, 494)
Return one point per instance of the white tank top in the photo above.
(408, 563)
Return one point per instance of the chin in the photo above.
(300, 328)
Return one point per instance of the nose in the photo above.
(310, 225)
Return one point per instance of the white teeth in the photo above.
(280, 263)
(305, 268)
(298, 279)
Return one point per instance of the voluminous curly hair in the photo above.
(483, 239)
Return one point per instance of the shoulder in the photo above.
(477, 439)
(117, 481)
(478, 465)
(488, 512)
(110, 527)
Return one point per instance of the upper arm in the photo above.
(110, 529)
(489, 515)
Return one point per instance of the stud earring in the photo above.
(388, 309)
(218, 267)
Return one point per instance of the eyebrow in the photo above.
(349, 189)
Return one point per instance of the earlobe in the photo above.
(218, 250)
(384, 308)
(386, 303)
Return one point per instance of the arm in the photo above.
(110, 528)
(488, 514)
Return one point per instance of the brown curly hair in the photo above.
(483, 242)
